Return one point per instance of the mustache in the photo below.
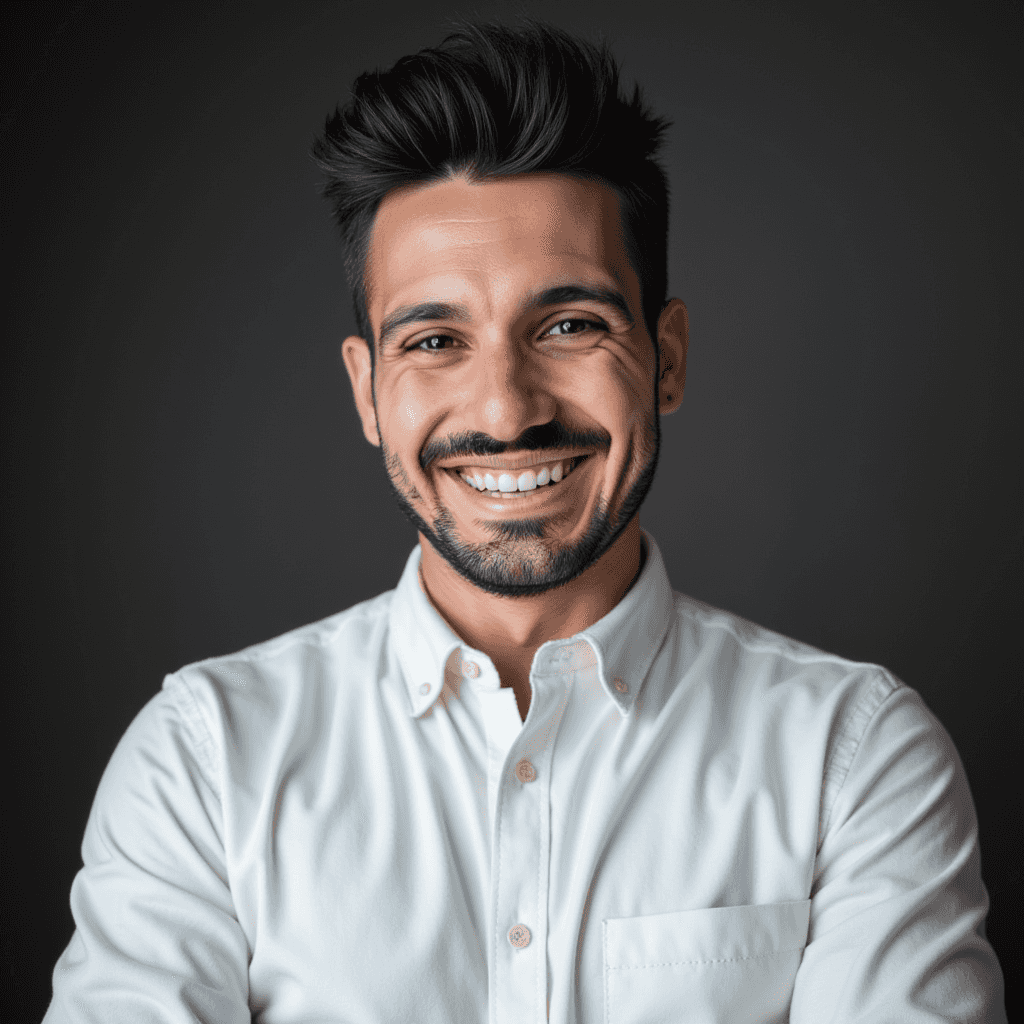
(533, 439)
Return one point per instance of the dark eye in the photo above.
(575, 325)
(435, 343)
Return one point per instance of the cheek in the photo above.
(612, 392)
(410, 408)
(410, 417)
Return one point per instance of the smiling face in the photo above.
(513, 392)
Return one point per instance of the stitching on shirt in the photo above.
(184, 699)
(690, 963)
(848, 743)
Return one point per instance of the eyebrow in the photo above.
(563, 293)
(559, 295)
(405, 315)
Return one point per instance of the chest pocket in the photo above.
(704, 966)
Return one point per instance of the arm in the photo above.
(156, 939)
(898, 905)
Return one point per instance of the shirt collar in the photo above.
(627, 639)
(421, 639)
(624, 642)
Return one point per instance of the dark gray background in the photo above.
(184, 474)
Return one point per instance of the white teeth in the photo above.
(528, 480)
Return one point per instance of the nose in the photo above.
(510, 393)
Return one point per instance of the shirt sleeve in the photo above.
(898, 906)
(156, 938)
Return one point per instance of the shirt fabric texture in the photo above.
(699, 821)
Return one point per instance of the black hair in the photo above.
(492, 101)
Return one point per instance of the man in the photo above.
(530, 783)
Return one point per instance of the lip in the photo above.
(512, 463)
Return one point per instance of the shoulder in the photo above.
(759, 686)
(241, 699)
(352, 627)
(287, 659)
(736, 653)
(801, 714)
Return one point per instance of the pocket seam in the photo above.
(689, 963)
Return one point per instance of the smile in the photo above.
(497, 482)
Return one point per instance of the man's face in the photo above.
(514, 387)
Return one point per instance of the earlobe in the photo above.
(355, 352)
(673, 339)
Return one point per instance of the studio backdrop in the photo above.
(184, 473)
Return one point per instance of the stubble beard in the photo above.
(522, 559)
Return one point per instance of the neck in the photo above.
(510, 629)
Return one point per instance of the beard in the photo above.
(522, 558)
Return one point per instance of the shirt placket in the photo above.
(521, 853)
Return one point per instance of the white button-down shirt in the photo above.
(698, 821)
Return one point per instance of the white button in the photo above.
(425, 689)
(621, 686)
(525, 771)
(471, 668)
(519, 936)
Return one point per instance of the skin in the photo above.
(497, 362)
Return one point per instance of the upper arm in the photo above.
(156, 934)
(898, 905)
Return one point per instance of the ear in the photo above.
(356, 353)
(673, 338)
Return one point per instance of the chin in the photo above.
(521, 561)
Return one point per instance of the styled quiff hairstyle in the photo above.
(489, 102)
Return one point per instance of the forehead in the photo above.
(500, 237)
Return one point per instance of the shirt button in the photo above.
(525, 772)
(425, 689)
(621, 686)
(519, 936)
(471, 668)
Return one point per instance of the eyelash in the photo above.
(416, 346)
(593, 324)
